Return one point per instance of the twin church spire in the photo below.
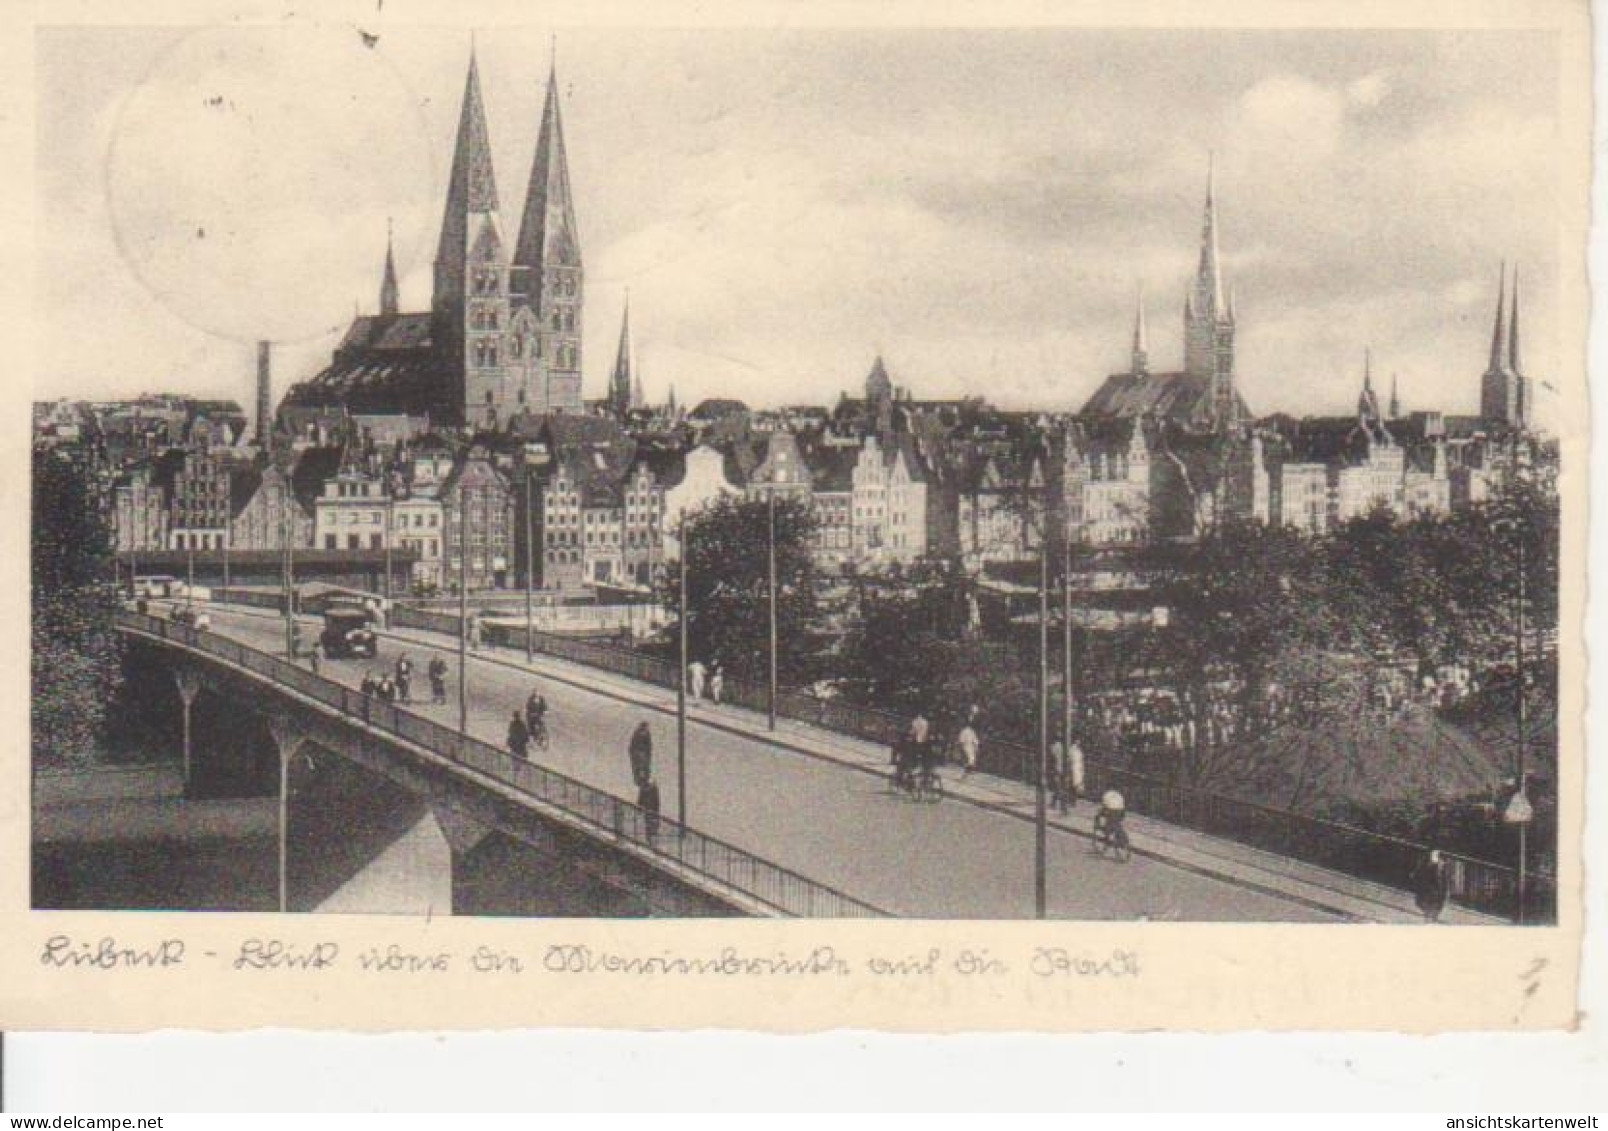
(505, 317)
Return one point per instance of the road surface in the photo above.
(832, 823)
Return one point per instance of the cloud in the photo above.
(1368, 91)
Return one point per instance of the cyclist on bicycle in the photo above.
(1108, 820)
(536, 717)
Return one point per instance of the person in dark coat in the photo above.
(404, 678)
(1432, 886)
(648, 802)
(369, 685)
(641, 752)
(438, 680)
(518, 737)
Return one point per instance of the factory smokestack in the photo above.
(263, 409)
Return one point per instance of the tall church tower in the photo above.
(1209, 319)
(470, 306)
(1504, 390)
(547, 274)
(389, 297)
(1139, 361)
(621, 393)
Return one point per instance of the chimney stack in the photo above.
(263, 408)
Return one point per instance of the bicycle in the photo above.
(1110, 838)
(538, 733)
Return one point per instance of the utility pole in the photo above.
(1523, 721)
(463, 611)
(1040, 811)
(530, 568)
(681, 681)
(385, 493)
(1066, 650)
(771, 541)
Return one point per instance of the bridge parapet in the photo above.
(608, 818)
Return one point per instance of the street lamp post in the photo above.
(681, 680)
(1066, 651)
(530, 569)
(1040, 810)
(770, 702)
(463, 611)
(1523, 722)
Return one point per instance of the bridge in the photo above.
(356, 778)
(793, 822)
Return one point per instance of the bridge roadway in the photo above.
(824, 820)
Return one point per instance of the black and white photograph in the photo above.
(545, 472)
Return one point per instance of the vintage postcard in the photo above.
(796, 516)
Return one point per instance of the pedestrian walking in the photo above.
(695, 679)
(387, 689)
(518, 738)
(648, 802)
(476, 633)
(404, 678)
(312, 658)
(717, 682)
(370, 686)
(1074, 773)
(968, 742)
(1060, 778)
(438, 680)
(1431, 887)
(641, 754)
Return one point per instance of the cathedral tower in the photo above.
(1504, 390)
(547, 274)
(470, 306)
(1209, 319)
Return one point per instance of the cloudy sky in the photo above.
(977, 206)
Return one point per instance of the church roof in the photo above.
(384, 364)
(387, 332)
(1181, 398)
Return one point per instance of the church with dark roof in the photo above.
(502, 337)
(1202, 396)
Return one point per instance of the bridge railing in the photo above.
(1481, 885)
(617, 819)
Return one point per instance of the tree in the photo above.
(728, 587)
(1248, 628)
(76, 656)
(905, 654)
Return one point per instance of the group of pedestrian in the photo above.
(710, 681)
(1066, 775)
(381, 687)
(528, 726)
(640, 754)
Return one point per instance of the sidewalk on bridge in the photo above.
(1241, 864)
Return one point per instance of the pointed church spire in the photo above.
(1513, 326)
(1395, 399)
(1141, 344)
(620, 390)
(389, 302)
(1210, 274)
(473, 187)
(1499, 339)
(548, 235)
(1368, 400)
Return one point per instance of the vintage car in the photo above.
(195, 618)
(346, 632)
